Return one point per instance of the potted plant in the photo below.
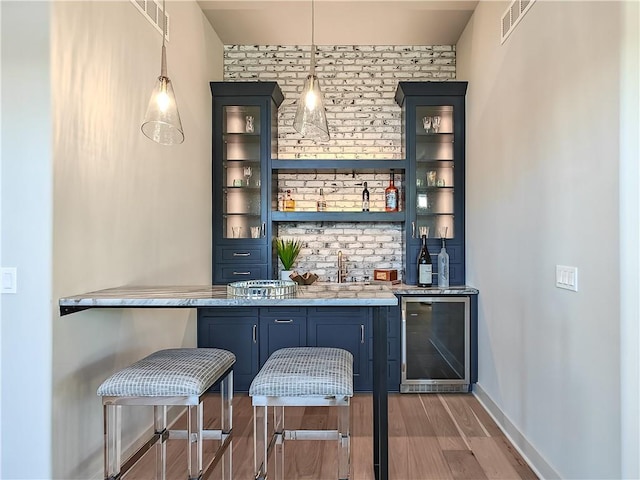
(287, 250)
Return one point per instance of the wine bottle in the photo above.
(425, 269)
(365, 198)
(391, 196)
(321, 204)
(289, 202)
(443, 267)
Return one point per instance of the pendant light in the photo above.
(162, 122)
(311, 118)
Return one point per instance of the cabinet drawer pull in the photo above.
(241, 254)
(283, 320)
(242, 273)
(361, 333)
(255, 333)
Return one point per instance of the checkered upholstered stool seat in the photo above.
(174, 377)
(301, 376)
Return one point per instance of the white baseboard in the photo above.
(533, 458)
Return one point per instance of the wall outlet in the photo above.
(8, 280)
(567, 277)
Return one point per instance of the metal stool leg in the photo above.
(344, 445)
(112, 446)
(194, 438)
(260, 443)
(160, 425)
(278, 426)
(226, 416)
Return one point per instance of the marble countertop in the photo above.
(328, 294)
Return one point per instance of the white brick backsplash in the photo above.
(359, 84)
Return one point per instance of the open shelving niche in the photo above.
(336, 166)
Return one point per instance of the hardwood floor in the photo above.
(431, 436)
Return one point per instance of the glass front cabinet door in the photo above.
(433, 141)
(245, 133)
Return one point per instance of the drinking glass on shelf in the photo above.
(247, 175)
(431, 178)
(248, 123)
(442, 232)
(426, 123)
(255, 232)
(237, 232)
(424, 231)
(435, 122)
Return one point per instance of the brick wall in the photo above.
(359, 84)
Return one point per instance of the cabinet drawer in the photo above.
(226, 273)
(353, 313)
(237, 254)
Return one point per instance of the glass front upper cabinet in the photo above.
(242, 172)
(433, 125)
(435, 175)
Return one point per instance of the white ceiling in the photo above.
(338, 22)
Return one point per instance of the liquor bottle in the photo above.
(443, 267)
(425, 269)
(365, 198)
(289, 202)
(321, 203)
(391, 196)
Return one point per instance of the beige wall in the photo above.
(126, 210)
(543, 164)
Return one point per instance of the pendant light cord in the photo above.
(313, 48)
(163, 64)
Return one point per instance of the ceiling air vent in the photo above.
(513, 15)
(152, 11)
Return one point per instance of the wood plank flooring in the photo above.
(431, 436)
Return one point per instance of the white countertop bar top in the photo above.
(194, 296)
(345, 294)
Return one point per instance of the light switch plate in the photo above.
(567, 277)
(8, 280)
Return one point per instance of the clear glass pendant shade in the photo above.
(311, 119)
(162, 122)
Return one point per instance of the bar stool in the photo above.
(301, 376)
(173, 377)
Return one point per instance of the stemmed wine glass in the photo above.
(426, 124)
(247, 175)
(435, 122)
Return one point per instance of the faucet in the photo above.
(342, 271)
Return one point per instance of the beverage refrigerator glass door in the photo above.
(436, 341)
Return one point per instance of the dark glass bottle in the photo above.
(391, 196)
(425, 269)
(365, 198)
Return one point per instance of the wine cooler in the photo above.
(435, 344)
